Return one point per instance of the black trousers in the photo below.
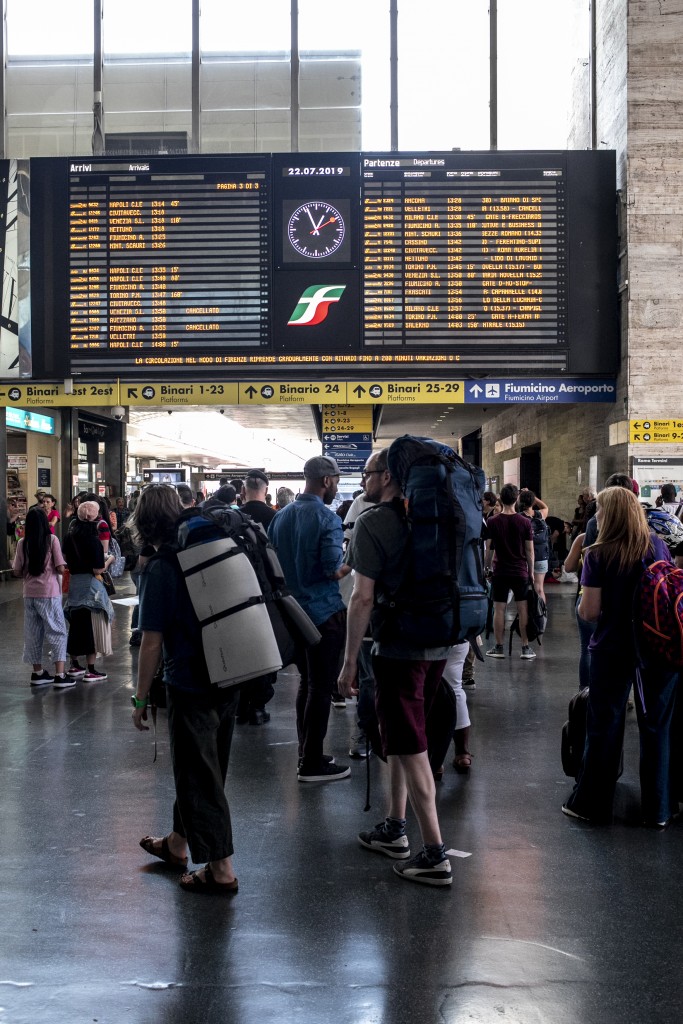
(200, 727)
(319, 669)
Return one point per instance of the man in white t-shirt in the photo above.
(669, 500)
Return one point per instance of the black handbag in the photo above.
(108, 582)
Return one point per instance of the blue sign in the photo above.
(27, 420)
(359, 439)
(350, 451)
(539, 390)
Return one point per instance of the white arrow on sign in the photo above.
(475, 390)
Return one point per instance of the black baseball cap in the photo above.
(256, 474)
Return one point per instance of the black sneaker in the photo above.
(337, 700)
(497, 651)
(75, 670)
(324, 773)
(381, 841)
(41, 678)
(63, 682)
(135, 639)
(327, 759)
(573, 814)
(421, 869)
(469, 683)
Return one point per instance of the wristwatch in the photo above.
(138, 703)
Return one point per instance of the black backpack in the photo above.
(574, 735)
(537, 619)
(129, 549)
(541, 537)
(442, 597)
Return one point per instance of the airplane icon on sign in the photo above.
(493, 391)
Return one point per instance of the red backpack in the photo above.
(660, 600)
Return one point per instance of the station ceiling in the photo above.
(277, 437)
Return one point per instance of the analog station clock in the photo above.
(316, 230)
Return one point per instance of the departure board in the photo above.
(461, 257)
(489, 263)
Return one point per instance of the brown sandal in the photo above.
(191, 882)
(150, 845)
(462, 762)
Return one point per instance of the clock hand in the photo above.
(332, 220)
(310, 215)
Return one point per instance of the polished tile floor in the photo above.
(548, 920)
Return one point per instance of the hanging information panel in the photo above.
(486, 263)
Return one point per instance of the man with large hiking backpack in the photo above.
(406, 678)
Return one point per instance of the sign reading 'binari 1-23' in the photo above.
(490, 263)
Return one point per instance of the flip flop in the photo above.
(163, 853)
(462, 763)
(191, 882)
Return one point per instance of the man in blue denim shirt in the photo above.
(308, 537)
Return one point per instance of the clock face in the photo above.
(316, 230)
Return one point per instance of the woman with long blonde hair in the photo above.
(611, 573)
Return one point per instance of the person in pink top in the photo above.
(49, 503)
(40, 563)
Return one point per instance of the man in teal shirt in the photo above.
(308, 538)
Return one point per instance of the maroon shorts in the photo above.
(404, 692)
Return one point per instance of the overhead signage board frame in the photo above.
(331, 395)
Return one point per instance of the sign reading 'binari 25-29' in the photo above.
(486, 263)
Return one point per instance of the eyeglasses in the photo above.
(369, 472)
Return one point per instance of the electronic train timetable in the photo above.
(172, 265)
(462, 256)
(494, 262)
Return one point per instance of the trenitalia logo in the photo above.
(313, 305)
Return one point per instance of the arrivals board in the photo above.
(487, 263)
(167, 261)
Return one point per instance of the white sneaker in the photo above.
(568, 577)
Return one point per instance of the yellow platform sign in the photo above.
(347, 419)
(53, 395)
(407, 392)
(292, 392)
(179, 394)
(258, 392)
(645, 431)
